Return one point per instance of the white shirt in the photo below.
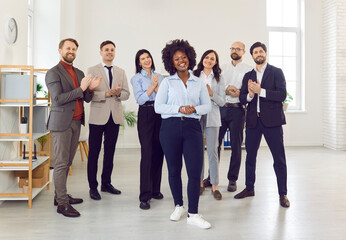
(106, 70)
(259, 75)
(233, 75)
(206, 79)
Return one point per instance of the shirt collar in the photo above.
(145, 73)
(191, 78)
(211, 74)
(262, 68)
(105, 65)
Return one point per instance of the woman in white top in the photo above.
(209, 71)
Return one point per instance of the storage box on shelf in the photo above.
(18, 90)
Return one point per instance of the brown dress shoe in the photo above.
(217, 195)
(284, 202)
(245, 193)
(232, 186)
(71, 200)
(67, 210)
(201, 190)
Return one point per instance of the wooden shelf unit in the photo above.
(19, 164)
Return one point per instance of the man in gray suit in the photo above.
(68, 88)
(106, 115)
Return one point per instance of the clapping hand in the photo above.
(85, 82)
(255, 87)
(189, 109)
(233, 91)
(95, 82)
(211, 93)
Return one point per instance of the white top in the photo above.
(207, 79)
(233, 75)
(106, 69)
(259, 75)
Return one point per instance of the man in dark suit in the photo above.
(263, 90)
(68, 88)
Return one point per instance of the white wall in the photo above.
(136, 24)
(305, 128)
(46, 33)
(10, 55)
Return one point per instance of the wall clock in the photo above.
(11, 31)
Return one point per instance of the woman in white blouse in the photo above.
(209, 71)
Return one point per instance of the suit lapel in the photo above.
(266, 74)
(64, 73)
(102, 73)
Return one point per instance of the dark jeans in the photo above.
(110, 131)
(274, 139)
(148, 127)
(232, 118)
(183, 137)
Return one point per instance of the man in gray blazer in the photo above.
(68, 88)
(106, 115)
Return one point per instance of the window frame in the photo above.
(299, 54)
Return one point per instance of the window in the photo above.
(284, 22)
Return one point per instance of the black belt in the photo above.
(235, 105)
(148, 104)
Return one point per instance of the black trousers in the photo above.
(148, 126)
(110, 131)
(274, 139)
(232, 118)
(183, 136)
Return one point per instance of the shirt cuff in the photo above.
(248, 98)
(263, 93)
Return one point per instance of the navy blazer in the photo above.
(272, 114)
(63, 97)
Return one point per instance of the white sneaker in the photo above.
(179, 211)
(198, 220)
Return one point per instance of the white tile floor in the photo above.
(316, 183)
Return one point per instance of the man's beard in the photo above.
(261, 61)
(235, 56)
(69, 60)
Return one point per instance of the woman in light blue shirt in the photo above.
(209, 71)
(145, 86)
(181, 100)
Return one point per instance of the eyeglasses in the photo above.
(236, 49)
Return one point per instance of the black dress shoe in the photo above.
(145, 205)
(284, 202)
(67, 210)
(206, 182)
(232, 186)
(109, 188)
(71, 200)
(245, 193)
(94, 194)
(157, 195)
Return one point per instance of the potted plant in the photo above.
(130, 118)
(288, 99)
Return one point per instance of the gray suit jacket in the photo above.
(217, 100)
(63, 97)
(101, 107)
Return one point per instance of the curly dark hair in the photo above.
(216, 68)
(177, 45)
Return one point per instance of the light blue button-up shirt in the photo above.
(173, 94)
(140, 83)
